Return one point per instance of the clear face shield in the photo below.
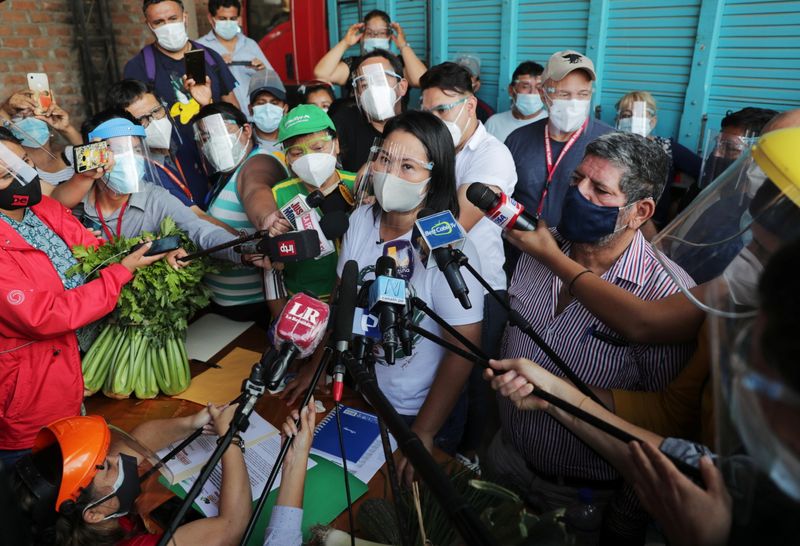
(396, 178)
(133, 166)
(729, 232)
(637, 118)
(754, 408)
(221, 142)
(18, 178)
(128, 478)
(720, 151)
(376, 94)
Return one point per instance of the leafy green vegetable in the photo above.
(141, 349)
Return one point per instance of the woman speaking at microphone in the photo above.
(413, 168)
(41, 307)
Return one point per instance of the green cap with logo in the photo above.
(304, 120)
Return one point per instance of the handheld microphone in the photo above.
(297, 333)
(386, 294)
(294, 246)
(334, 224)
(500, 208)
(441, 234)
(343, 326)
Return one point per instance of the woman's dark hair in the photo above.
(750, 119)
(6, 134)
(125, 92)
(309, 89)
(378, 13)
(101, 117)
(228, 111)
(438, 144)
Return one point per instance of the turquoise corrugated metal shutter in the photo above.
(758, 58)
(348, 15)
(547, 27)
(649, 48)
(413, 16)
(474, 27)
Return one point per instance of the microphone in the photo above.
(334, 224)
(343, 327)
(386, 293)
(500, 208)
(297, 333)
(294, 246)
(441, 234)
(403, 255)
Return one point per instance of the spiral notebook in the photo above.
(359, 430)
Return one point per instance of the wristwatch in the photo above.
(236, 440)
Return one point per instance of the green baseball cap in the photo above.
(304, 120)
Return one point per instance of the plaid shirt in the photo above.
(597, 354)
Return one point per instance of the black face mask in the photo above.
(16, 196)
(126, 489)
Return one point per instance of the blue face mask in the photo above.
(584, 222)
(267, 117)
(227, 30)
(528, 103)
(34, 133)
(126, 176)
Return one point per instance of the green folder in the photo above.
(324, 498)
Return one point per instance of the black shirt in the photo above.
(356, 136)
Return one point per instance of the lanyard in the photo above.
(103, 220)
(174, 178)
(548, 155)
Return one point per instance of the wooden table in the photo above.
(127, 414)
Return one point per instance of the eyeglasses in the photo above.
(317, 146)
(524, 86)
(555, 94)
(157, 113)
(441, 108)
(377, 32)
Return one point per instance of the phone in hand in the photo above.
(195, 62)
(165, 244)
(90, 156)
(90, 223)
(40, 87)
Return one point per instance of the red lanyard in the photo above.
(175, 179)
(548, 155)
(103, 220)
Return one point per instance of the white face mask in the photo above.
(171, 36)
(568, 115)
(227, 30)
(455, 130)
(378, 102)
(159, 134)
(371, 44)
(742, 276)
(397, 195)
(224, 152)
(315, 169)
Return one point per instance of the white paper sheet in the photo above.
(210, 334)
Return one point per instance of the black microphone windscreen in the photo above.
(314, 199)
(334, 224)
(481, 196)
(346, 309)
(294, 246)
(386, 266)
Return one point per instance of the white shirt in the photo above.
(485, 159)
(407, 382)
(503, 124)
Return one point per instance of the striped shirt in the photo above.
(237, 285)
(597, 354)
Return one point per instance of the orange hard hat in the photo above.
(83, 442)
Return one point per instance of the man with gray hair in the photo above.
(613, 192)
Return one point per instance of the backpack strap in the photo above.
(149, 63)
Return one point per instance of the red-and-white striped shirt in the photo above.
(597, 354)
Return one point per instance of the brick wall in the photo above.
(38, 36)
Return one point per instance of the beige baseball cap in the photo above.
(562, 63)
